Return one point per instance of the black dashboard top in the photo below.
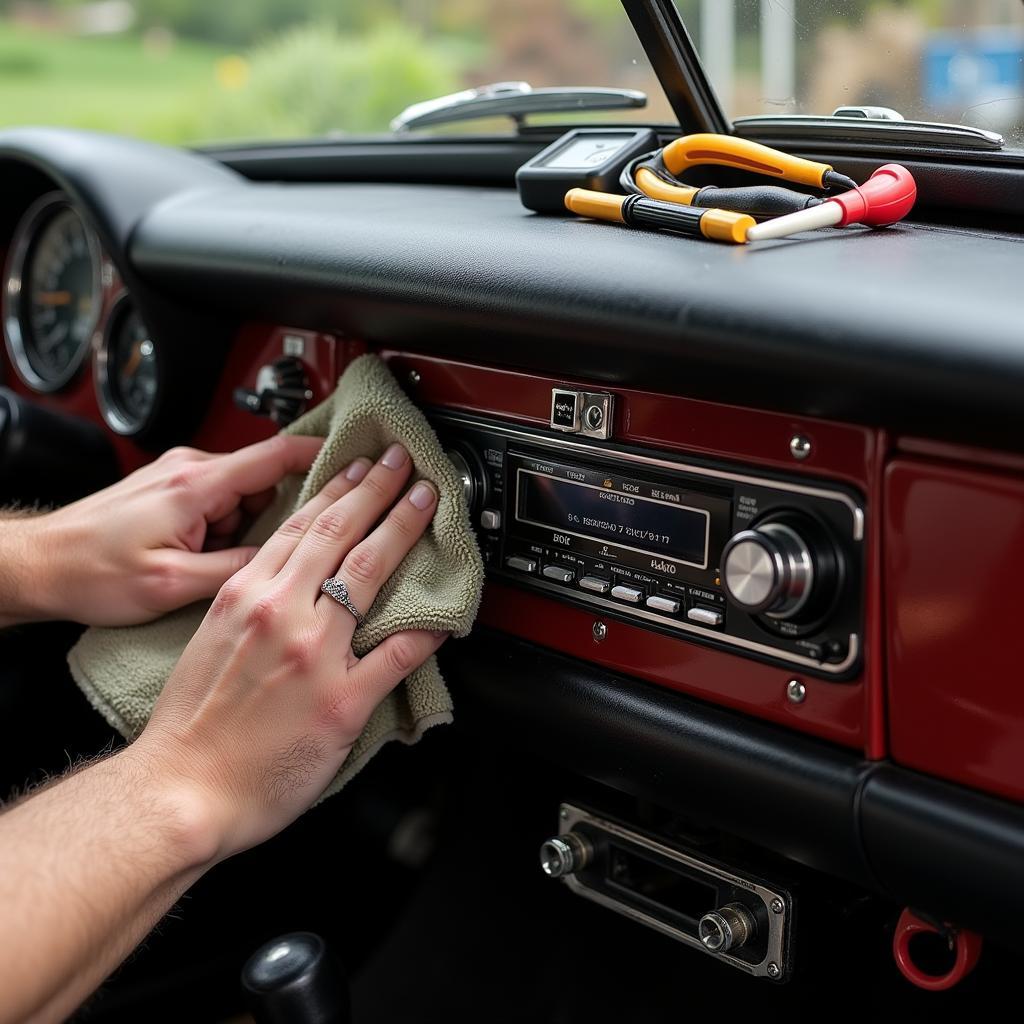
(916, 327)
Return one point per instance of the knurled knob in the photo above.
(727, 928)
(768, 570)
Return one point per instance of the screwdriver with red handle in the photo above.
(886, 197)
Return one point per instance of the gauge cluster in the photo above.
(63, 297)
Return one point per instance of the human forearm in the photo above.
(87, 868)
(257, 717)
(23, 574)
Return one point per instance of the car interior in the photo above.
(739, 728)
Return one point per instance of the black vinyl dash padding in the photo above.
(913, 328)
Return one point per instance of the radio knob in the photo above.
(471, 476)
(769, 570)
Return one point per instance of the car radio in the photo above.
(763, 566)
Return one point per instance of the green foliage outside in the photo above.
(310, 80)
(314, 79)
(108, 84)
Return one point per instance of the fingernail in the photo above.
(357, 470)
(395, 457)
(423, 496)
(438, 633)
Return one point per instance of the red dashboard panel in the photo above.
(847, 713)
(953, 550)
(954, 561)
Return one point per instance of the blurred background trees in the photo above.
(192, 70)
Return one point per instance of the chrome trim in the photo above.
(865, 129)
(513, 99)
(856, 512)
(32, 222)
(779, 654)
(569, 817)
(611, 543)
(112, 415)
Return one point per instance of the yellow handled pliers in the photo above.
(656, 175)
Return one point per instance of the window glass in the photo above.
(958, 61)
(187, 71)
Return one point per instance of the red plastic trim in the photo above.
(968, 952)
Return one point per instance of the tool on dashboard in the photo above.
(656, 175)
(582, 158)
(641, 212)
(886, 197)
(656, 197)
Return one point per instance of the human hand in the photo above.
(159, 539)
(268, 698)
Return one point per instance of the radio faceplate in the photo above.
(762, 566)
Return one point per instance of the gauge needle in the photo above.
(53, 298)
(133, 360)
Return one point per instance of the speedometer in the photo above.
(52, 292)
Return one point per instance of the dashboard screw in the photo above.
(777, 906)
(773, 970)
(800, 447)
(600, 631)
(796, 691)
(414, 377)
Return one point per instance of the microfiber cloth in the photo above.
(437, 586)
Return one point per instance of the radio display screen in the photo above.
(643, 523)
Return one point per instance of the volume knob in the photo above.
(471, 476)
(769, 570)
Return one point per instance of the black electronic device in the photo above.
(590, 158)
(763, 566)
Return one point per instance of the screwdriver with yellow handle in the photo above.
(641, 212)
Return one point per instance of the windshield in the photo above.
(188, 71)
(958, 61)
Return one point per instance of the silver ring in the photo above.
(336, 588)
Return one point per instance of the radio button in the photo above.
(629, 594)
(558, 572)
(521, 564)
(490, 519)
(663, 604)
(705, 616)
(598, 586)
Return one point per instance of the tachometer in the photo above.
(127, 370)
(53, 293)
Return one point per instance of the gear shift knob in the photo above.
(293, 979)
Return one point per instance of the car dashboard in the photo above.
(753, 518)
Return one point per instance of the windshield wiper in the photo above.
(868, 124)
(515, 100)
